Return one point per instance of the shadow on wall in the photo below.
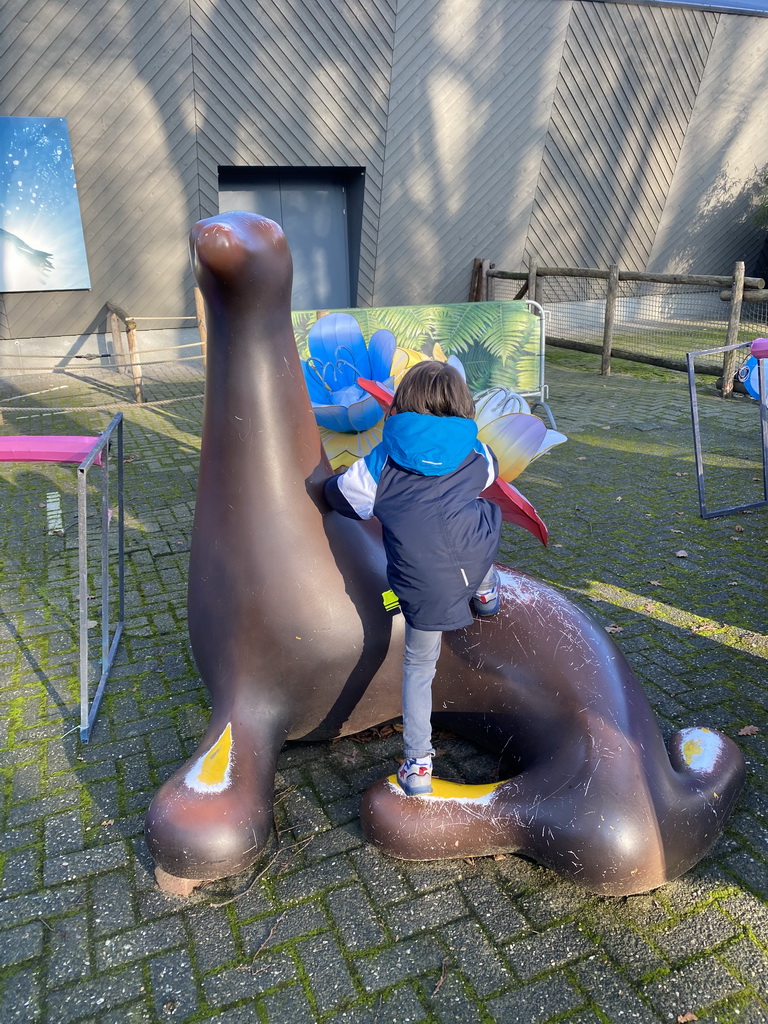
(730, 208)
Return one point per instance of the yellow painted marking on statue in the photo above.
(216, 761)
(691, 750)
(444, 790)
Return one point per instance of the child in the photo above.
(423, 483)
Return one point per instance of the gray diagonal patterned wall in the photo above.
(121, 74)
(302, 87)
(568, 130)
(708, 220)
(471, 93)
(627, 87)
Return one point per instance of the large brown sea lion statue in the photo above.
(293, 641)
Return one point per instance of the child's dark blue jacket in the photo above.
(422, 482)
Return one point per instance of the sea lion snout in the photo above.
(239, 248)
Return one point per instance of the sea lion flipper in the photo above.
(213, 817)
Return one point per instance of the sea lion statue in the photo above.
(293, 641)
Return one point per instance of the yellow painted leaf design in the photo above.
(211, 771)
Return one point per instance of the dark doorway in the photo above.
(320, 211)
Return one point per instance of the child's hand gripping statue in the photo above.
(423, 483)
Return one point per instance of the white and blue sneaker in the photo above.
(486, 600)
(415, 776)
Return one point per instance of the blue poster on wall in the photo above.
(41, 235)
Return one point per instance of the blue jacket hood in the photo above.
(430, 445)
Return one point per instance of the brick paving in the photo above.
(328, 929)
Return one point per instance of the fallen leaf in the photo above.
(681, 554)
(377, 732)
(650, 607)
(499, 856)
(441, 979)
(749, 730)
(613, 628)
(655, 583)
(581, 458)
(619, 498)
(685, 1018)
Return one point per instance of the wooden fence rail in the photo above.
(116, 316)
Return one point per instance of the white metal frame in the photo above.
(540, 394)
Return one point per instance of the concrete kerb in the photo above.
(327, 929)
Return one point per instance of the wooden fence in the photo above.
(736, 289)
(119, 322)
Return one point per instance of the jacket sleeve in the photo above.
(493, 462)
(353, 492)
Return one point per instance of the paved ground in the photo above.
(330, 930)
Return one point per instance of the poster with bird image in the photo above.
(42, 247)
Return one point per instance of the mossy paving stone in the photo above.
(620, 501)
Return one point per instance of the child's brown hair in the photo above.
(435, 388)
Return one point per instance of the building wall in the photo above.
(471, 97)
(573, 131)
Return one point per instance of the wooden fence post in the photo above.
(201, 325)
(5, 327)
(486, 285)
(533, 283)
(731, 359)
(113, 326)
(476, 281)
(611, 294)
(135, 362)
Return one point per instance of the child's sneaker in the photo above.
(486, 600)
(415, 775)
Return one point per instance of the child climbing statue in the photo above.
(423, 483)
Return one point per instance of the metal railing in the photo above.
(89, 710)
